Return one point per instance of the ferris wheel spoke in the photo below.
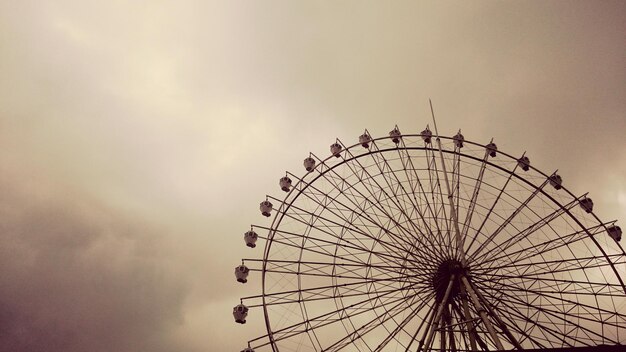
(353, 272)
(575, 266)
(326, 268)
(318, 243)
(401, 278)
(515, 317)
(338, 212)
(519, 209)
(383, 163)
(427, 317)
(346, 190)
(376, 205)
(571, 286)
(556, 301)
(394, 185)
(472, 203)
(307, 295)
(415, 186)
(586, 313)
(559, 318)
(313, 250)
(341, 209)
(353, 310)
(456, 182)
(371, 325)
(392, 313)
(435, 188)
(522, 235)
(305, 218)
(375, 323)
(513, 325)
(560, 286)
(512, 311)
(560, 265)
(424, 197)
(377, 192)
(544, 247)
(419, 263)
(401, 327)
(391, 273)
(568, 287)
(489, 212)
(322, 320)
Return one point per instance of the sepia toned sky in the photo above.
(137, 138)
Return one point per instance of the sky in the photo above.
(137, 138)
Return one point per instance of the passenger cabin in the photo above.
(556, 181)
(285, 183)
(247, 349)
(365, 140)
(427, 135)
(615, 232)
(250, 238)
(241, 273)
(335, 149)
(523, 163)
(240, 312)
(492, 149)
(309, 164)
(458, 140)
(266, 208)
(395, 135)
(586, 204)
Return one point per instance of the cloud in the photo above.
(78, 276)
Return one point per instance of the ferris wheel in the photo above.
(414, 242)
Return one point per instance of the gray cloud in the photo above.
(77, 276)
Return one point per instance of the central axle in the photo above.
(441, 278)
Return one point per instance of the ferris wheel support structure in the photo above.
(459, 243)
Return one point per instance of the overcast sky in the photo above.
(137, 138)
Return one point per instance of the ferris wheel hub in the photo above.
(442, 276)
